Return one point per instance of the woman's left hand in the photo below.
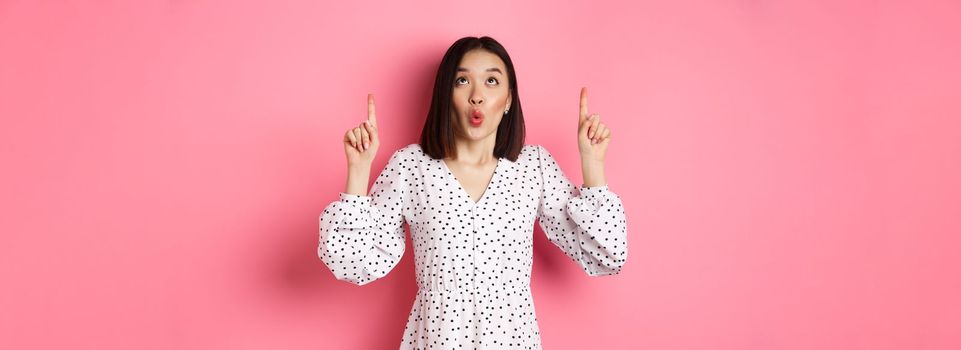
(592, 135)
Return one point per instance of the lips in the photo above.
(477, 117)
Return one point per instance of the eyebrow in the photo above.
(498, 70)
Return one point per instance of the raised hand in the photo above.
(361, 143)
(592, 135)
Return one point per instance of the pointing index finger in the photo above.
(583, 103)
(371, 115)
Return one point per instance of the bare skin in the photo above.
(480, 85)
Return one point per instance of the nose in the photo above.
(476, 98)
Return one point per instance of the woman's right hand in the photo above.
(361, 143)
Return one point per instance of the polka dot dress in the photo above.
(473, 260)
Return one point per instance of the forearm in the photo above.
(593, 172)
(358, 175)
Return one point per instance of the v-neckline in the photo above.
(460, 187)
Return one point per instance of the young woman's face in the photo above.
(481, 95)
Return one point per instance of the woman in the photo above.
(470, 192)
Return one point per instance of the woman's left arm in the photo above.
(588, 223)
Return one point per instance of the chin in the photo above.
(477, 134)
(473, 135)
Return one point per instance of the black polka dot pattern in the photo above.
(473, 259)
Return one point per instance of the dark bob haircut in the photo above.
(437, 137)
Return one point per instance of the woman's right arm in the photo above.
(360, 146)
(358, 176)
(362, 237)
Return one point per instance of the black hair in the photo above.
(437, 136)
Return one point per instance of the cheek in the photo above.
(457, 101)
(499, 119)
(502, 98)
(459, 96)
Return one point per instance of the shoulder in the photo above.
(535, 151)
(411, 151)
(531, 153)
(403, 161)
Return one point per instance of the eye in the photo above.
(458, 80)
(494, 79)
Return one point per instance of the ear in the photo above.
(510, 98)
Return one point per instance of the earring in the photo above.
(505, 111)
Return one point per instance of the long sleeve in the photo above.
(362, 237)
(587, 223)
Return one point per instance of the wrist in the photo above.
(358, 175)
(358, 166)
(591, 164)
(593, 174)
(594, 182)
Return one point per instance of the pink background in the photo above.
(791, 169)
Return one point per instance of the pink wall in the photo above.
(791, 169)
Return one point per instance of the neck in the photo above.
(475, 151)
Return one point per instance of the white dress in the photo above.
(473, 260)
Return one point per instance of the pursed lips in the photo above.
(477, 117)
